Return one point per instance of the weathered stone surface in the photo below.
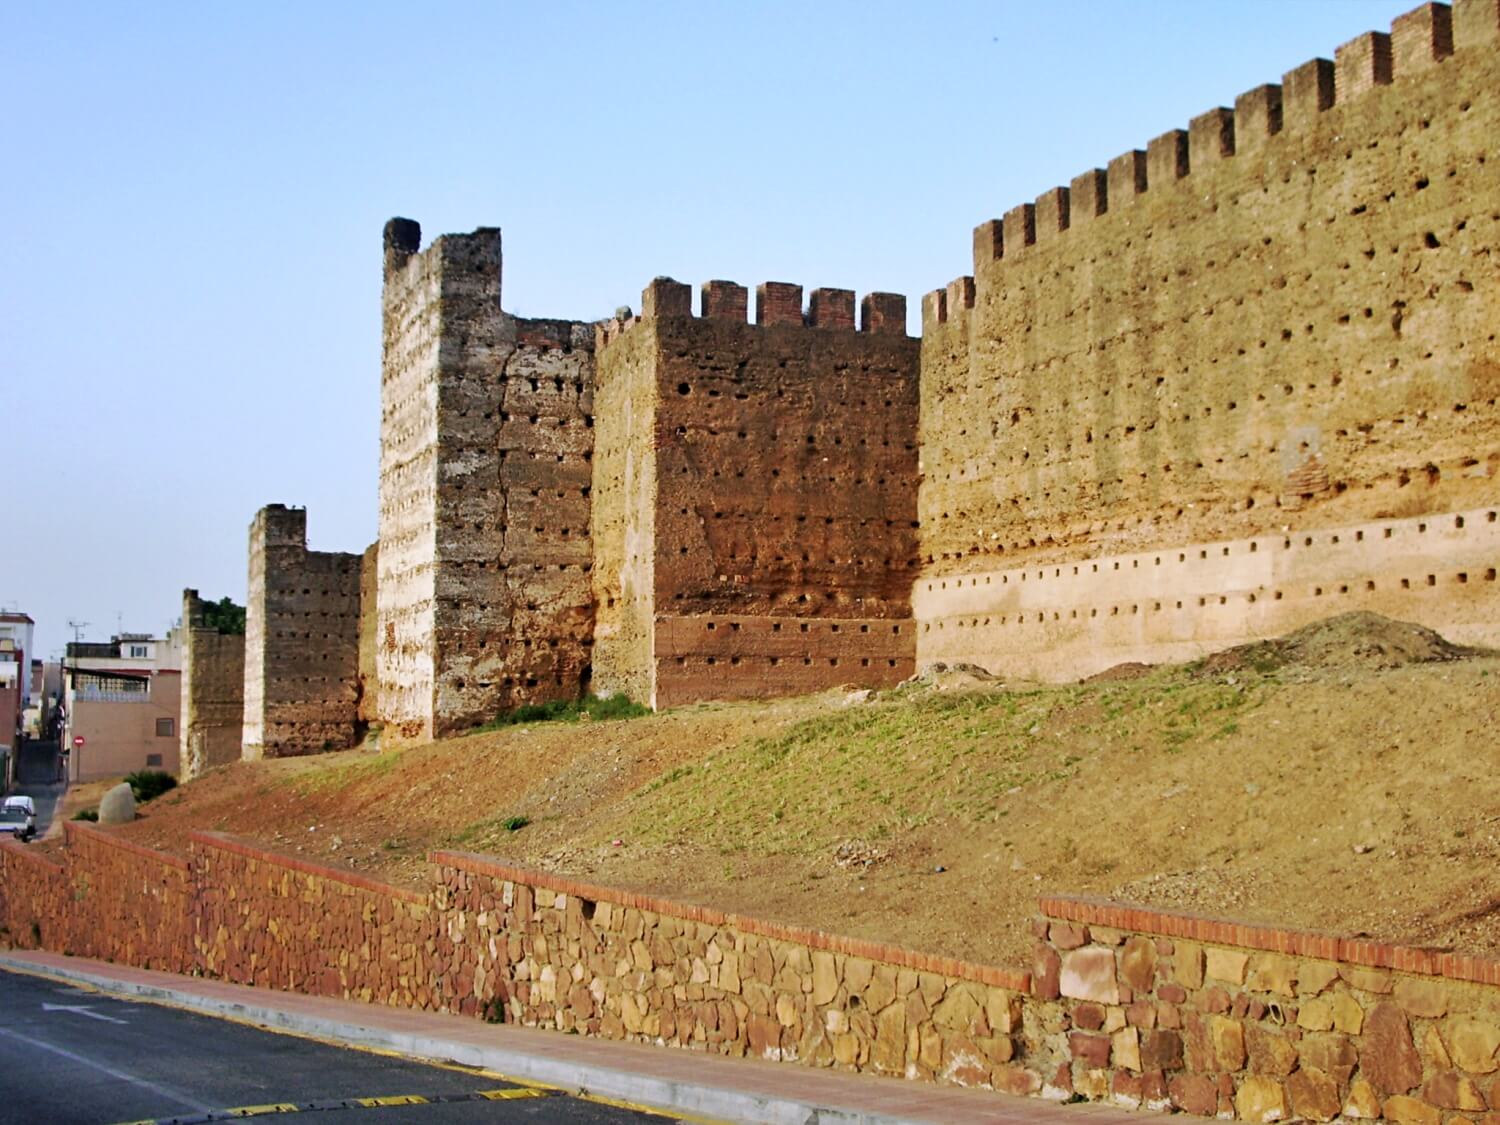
(1472, 1043)
(1388, 1058)
(1348, 1016)
(1363, 1102)
(1314, 976)
(1160, 1049)
(1227, 965)
(1367, 980)
(1411, 1111)
(1434, 1050)
(1228, 1042)
(1332, 1054)
(1126, 1049)
(1270, 1052)
(1316, 1014)
(1273, 972)
(1046, 974)
(1452, 1090)
(1422, 998)
(1260, 1099)
(825, 977)
(117, 806)
(1194, 1093)
(1314, 1095)
(1088, 1017)
(1089, 974)
(1138, 963)
(1093, 1050)
(1187, 962)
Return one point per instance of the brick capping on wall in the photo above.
(30, 854)
(1016, 980)
(1273, 939)
(296, 863)
(72, 828)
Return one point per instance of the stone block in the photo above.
(1348, 1016)
(1363, 1102)
(1314, 976)
(1273, 972)
(1388, 1058)
(1193, 1093)
(1473, 1044)
(1138, 963)
(1126, 1048)
(1260, 1099)
(1160, 1049)
(1452, 1090)
(1188, 965)
(1316, 1014)
(1270, 1052)
(1092, 1050)
(1228, 1039)
(1227, 965)
(1046, 974)
(1410, 1111)
(1314, 1095)
(1422, 999)
(1089, 974)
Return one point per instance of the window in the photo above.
(138, 650)
(164, 729)
(154, 759)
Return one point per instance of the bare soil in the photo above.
(1342, 779)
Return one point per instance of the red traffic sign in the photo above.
(78, 740)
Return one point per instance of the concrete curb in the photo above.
(660, 1093)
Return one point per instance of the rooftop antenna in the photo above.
(78, 627)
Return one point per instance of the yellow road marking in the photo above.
(392, 1099)
(652, 1110)
(508, 1095)
(257, 1110)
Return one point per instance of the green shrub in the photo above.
(86, 814)
(570, 711)
(515, 823)
(149, 784)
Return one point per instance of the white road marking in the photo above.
(160, 1091)
(82, 1010)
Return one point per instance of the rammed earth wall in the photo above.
(1122, 1005)
(1278, 322)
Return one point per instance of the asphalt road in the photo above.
(69, 1055)
(38, 775)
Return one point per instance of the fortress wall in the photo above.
(514, 606)
(301, 641)
(368, 708)
(411, 328)
(1064, 620)
(487, 438)
(1283, 316)
(213, 692)
(623, 516)
(781, 478)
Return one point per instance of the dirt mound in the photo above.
(1364, 642)
(938, 676)
(1130, 670)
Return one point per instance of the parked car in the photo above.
(20, 801)
(18, 819)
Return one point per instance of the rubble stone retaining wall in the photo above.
(1258, 1023)
(1123, 1005)
(546, 951)
(277, 921)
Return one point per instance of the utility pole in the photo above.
(66, 747)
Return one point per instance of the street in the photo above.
(38, 775)
(72, 1055)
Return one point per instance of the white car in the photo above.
(18, 817)
(20, 801)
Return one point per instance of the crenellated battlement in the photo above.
(777, 304)
(1417, 41)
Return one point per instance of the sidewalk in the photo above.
(688, 1082)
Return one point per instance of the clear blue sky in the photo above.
(193, 198)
